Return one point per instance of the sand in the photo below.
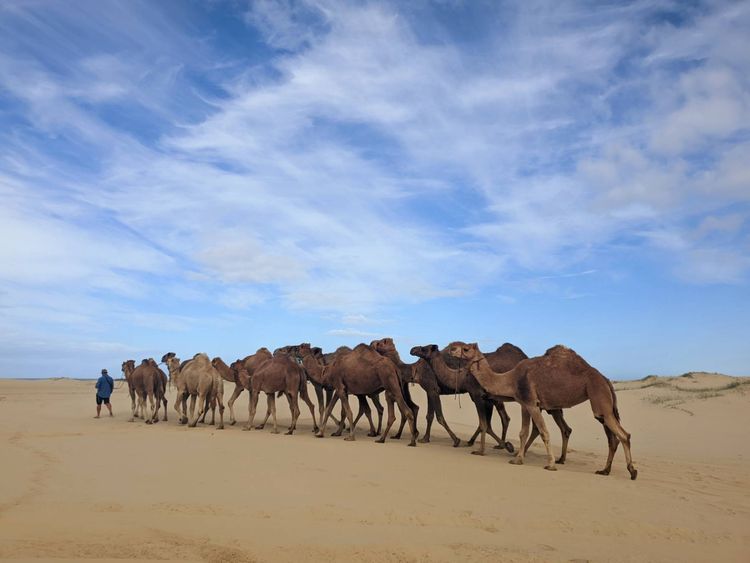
(75, 488)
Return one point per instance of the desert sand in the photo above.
(75, 488)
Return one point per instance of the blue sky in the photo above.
(220, 176)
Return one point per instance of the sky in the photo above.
(196, 176)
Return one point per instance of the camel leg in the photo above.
(444, 424)
(213, 411)
(294, 407)
(220, 401)
(534, 434)
(184, 418)
(252, 406)
(470, 441)
(412, 406)
(342, 422)
(330, 396)
(308, 402)
(329, 407)
(505, 421)
(272, 404)
(612, 442)
(152, 409)
(193, 421)
(483, 423)
(374, 397)
(391, 417)
(177, 402)
(164, 400)
(344, 396)
(410, 416)
(565, 432)
(364, 407)
(489, 407)
(524, 434)
(235, 395)
(536, 416)
(614, 425)
(321, 405)
(425, 439)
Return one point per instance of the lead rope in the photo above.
(455, 389)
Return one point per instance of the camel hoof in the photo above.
(349, 439)
(220, 427)
(633, 473)
(260, 427)
(396, 437)
(560, 461)
(380, 440)
(232, 422)
(129, 420)
(456, 443)
(337, 434)
(516, 461)
(550, 468)
(470, 443)
(412, 444)
(603, 472)
(477, 452)
(247, 428)
(371, 434)
(288, 432)
(424, 440)
(509, 447)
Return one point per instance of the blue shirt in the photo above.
(104, 386)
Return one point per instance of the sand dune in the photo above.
(76, 488)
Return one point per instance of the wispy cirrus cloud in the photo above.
(363, 155)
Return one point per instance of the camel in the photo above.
(234, 374)
(502, 359)
(127, 369)
(559, 379)
(442, 379)
(386, 347)
(198, 379)
(361, 372)
(145, 385)
(279, 374)
(164, 384)
(315, 364)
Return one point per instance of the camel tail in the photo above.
(614, 399)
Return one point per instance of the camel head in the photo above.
(127, 367)
(167, 356)
(384, 346)
(241, 373)
(426, 352)
(463, 351)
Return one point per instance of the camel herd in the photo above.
(557, 380)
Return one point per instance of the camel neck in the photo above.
(493, 382)
(451, 378)
(313, 367)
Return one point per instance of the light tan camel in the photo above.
(164, 383)
(559, 379)
(145, 385)
(198, 379)
(128, 366)
(361, 372)
(279, 374)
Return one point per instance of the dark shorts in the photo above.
(100, 400)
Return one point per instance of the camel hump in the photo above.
(201, 355)
(262, 350)
(362, 347)
(144, 362)
(508, 348)
(558, 349)
(343, 350)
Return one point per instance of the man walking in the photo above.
(104, 387)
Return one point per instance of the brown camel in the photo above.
(314, 362)
(386, 347)
(559, 379)
(234, 374)
(504, 358)
(361, 372)
(279, 374)
(443, 379)
(145, 385)
(164, 383)
(198, 379)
